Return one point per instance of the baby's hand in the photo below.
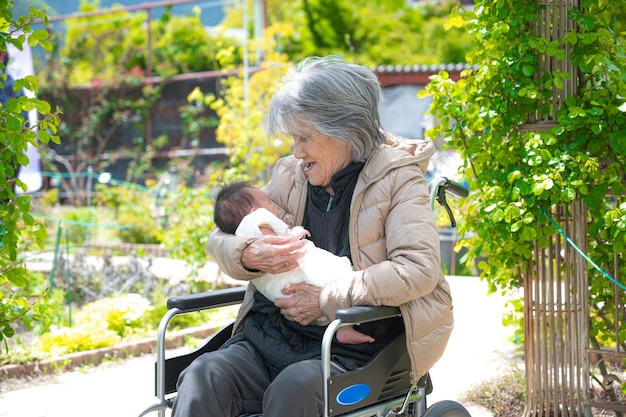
(299, 233)
(283, 239)
(348, 335)
(293, 235)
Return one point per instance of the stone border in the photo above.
(96, 356)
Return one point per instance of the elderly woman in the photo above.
(362, 194)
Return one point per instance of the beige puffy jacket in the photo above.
(394, 243)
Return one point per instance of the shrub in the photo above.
(85, 336)
(120, 314)
(49, 197)
(503, 395)
(17, 225)
(79, 222)
(32, 306)
(19, 352)
(134, 211)
(137, 228)
(99, 324)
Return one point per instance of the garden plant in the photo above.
(517, 174)
(22, 301)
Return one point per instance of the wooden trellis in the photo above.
(557, 345)
(554, 24)
(556, 316)
(556, 308)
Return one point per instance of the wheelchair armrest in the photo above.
(206, 300)
(363, 314)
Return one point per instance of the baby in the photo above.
(243, 210)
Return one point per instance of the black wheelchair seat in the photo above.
(381, 387)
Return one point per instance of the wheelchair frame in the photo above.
(409, 400)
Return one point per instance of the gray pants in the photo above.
(234, 381)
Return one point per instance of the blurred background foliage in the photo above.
(380, 32)
(107, 55)
(93, 71)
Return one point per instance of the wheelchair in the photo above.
(380, 388)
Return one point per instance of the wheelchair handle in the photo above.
(438, 189)
(456, 189)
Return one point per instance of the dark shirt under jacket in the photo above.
(327, 216)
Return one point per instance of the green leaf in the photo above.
(40, 34)
(497, 216)
(528, 233)
(568, 194)
(558, 83)
(42, 106)
(528, 70)
(528, 218)
(13, 122)
(491, 208)
(512, 212)
(18, 279)
(8, 331)
(43, 136)
(514, 176)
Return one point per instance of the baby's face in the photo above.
(263, 201)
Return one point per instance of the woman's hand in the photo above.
(273, 254)
(303, 306)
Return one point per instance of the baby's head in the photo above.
(236, 200)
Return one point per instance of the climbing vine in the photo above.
(20, 299)
(574, 151)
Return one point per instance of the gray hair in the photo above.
(334, 97)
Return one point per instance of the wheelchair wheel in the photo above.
(447, 408)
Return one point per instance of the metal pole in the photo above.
(149, 42)
(149, 74)
(89, 184)
(68, 276)
(259, 27)
(57, 242)
(246, 70)
(89, 216)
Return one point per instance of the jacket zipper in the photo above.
(330, 203)
(328, 207)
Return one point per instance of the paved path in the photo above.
(478, 349)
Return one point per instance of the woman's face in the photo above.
(322, 157)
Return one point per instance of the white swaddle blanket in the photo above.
(316, 267)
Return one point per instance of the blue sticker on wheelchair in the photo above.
(353, 394)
